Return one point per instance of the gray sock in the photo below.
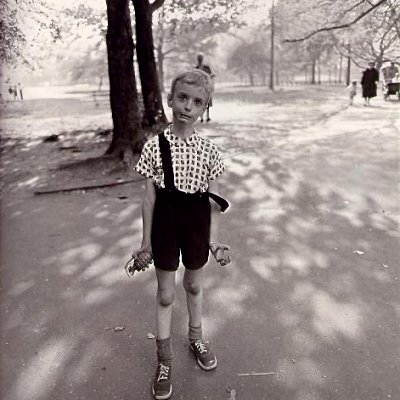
(164, 351)
(195, 333)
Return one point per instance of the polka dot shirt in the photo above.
(195, 162)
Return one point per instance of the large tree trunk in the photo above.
(153, 109)
(127, 133)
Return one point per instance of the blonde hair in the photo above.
(196, 77)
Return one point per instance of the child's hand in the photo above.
(221, 253)
(140, 261)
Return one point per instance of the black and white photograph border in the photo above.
(298, 103)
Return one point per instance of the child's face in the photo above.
(188, 103)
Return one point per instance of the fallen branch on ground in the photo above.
(86, 187)
(256, 374)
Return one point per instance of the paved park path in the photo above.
(313, 294)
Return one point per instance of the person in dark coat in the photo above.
(369, 80)
(207, 69)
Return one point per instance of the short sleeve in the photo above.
(217, 166)
(145, 165)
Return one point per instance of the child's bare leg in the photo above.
(192, 282)
(165, 300)
(162, 387)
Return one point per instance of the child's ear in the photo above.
(169, 100)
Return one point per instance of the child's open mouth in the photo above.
(184, 116)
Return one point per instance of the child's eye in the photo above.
(182, 97)
(198, 102)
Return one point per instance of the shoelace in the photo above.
(163, 372)
(201, 347)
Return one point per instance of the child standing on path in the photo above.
(352, 91)
(181, 169)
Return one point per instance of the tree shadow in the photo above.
(312, 294)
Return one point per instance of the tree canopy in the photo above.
(312, 17)
(24, 26)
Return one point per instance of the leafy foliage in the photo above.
(185, 28)
(251, 59)
(360, 29)
(314, 16)
(82, 48)
(24, 27)
(376, 37)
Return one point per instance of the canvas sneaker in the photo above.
(162, 387)
(205, 357)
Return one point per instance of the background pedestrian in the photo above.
(369, 80)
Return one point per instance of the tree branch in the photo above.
(354, 7)
(336, 27)
(156, 4)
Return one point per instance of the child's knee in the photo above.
(192, 286)
(166, 297)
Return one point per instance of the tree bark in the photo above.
(319, 69)
(348, 70)
(127, 133)
(153, 114)
(313, 67)
(160, 63)
(272, 61)
(251, 78)
(160, 50)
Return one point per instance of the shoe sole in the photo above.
(211, 367)
(163, 397)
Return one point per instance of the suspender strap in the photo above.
(166, 161)
(166, 158)
(223, 204)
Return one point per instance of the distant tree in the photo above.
(82, 46)
(376, 37)
(127, 133)
(312, 17)
(251, 59)
(353, 27)
(183, 29)
(90, 65)
(314, 50)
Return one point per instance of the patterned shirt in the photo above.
(195, 162)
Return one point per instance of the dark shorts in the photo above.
(181, 226)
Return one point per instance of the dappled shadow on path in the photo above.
(311, 294)
(315, 281)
